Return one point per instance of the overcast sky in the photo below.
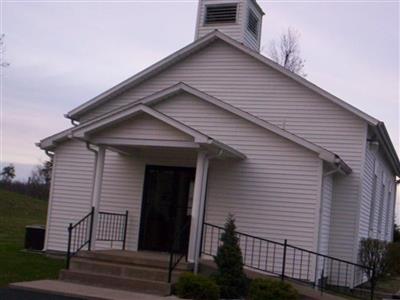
(62, 53)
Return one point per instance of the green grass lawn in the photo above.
(17, 211)
(389, 285)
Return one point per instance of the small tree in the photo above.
(41, 174)
(46, 170)
(286, 52)
(373, 253)
(2, 62)
(230, 275)
(8, 173)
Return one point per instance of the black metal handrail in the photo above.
(80, 235)
(178, 249)
(288, 261)
(110, 227)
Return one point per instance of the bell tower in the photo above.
(240, 19)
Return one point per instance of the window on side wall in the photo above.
(373, 204)
(388, 217)
(380, 213)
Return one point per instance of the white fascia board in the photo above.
(49, 142)
(144, 143)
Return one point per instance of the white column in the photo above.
(96, 194)
(198, 208)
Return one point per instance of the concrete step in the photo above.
(134, 258)
(117, 282)
(87, 265)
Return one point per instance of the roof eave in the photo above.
(388, 147)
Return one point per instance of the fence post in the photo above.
(373, 283)
(69, 244)
(284, 260)
(125, 230)
(91, 229)
(321, 280)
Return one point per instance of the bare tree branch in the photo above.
(287, 52)
(2, 62)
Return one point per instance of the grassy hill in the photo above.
(17, 211)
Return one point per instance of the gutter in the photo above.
(49, 154)
(96, 154)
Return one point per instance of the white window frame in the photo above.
(382, 196)
(373, 199)
(388, 210)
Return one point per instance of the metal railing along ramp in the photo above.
(287, 261)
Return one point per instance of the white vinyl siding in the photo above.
(121, 188)
(71, 191)
(273, 193)
(144, 127)
(377, 207)
(234, 77)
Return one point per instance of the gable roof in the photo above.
(105, 121)
(197, 45)
(127, 110)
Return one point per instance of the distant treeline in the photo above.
(37, 185)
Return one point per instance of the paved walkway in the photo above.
(15, 294)
(73, 291)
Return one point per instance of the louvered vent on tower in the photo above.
(252, 24)
(241, 20)
(223, 13)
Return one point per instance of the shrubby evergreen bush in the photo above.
(197, 287)
(271, 289)
(230, 275)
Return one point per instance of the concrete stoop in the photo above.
(143, 272)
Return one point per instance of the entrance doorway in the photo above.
(166, 206)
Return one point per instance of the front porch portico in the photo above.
(143, 135)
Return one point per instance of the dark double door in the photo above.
(165, 206)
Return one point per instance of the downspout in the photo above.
(95, 167)
(73, 122)
(49, 154)
(50, 202)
